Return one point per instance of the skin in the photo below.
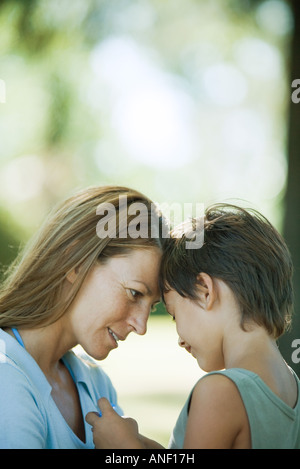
(210, 330)
(116, 296)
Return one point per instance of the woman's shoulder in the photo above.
(11, 373)
(20, 399)
(22, 407)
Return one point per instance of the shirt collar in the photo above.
(18, 356)
(14, 352)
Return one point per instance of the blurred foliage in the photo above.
(9, 243)
(186, 101)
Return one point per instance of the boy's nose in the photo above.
(184, 344)
(181, 342)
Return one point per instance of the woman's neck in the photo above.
(47, 344)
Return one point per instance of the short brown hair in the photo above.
(243, 249)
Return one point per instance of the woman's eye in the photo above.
(134, 293)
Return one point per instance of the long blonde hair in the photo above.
(31, 294)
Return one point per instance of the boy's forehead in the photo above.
(170, 297)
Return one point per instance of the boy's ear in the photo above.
(206, 290)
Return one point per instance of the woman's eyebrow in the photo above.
(149, 292)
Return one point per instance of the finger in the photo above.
(104, 405)
(91, 418)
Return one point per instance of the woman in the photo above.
(73, 286)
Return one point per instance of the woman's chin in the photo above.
(97, 354)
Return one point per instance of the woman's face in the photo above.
(115, 299)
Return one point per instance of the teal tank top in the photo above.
(273, 424)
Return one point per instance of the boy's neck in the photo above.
(257, 351)
(251, 349)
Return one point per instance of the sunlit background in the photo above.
(184, 100)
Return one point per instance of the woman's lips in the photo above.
(115, 336)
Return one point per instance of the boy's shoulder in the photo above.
(217, 387)
(224, 386)
(217, 415)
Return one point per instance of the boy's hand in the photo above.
(112, 431)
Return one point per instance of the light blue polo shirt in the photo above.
(29, 417)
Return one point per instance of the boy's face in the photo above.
(200, 330)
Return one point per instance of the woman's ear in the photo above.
(72, 275)
(206, 290)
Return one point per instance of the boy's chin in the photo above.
(207, 366)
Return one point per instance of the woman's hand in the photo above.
(110, 431)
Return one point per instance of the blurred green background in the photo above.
(188, 101)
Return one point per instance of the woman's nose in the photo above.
(138, 322)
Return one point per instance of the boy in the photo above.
(231, 300)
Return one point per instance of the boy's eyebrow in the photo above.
(163, 298)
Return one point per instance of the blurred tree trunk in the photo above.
(291, 230)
